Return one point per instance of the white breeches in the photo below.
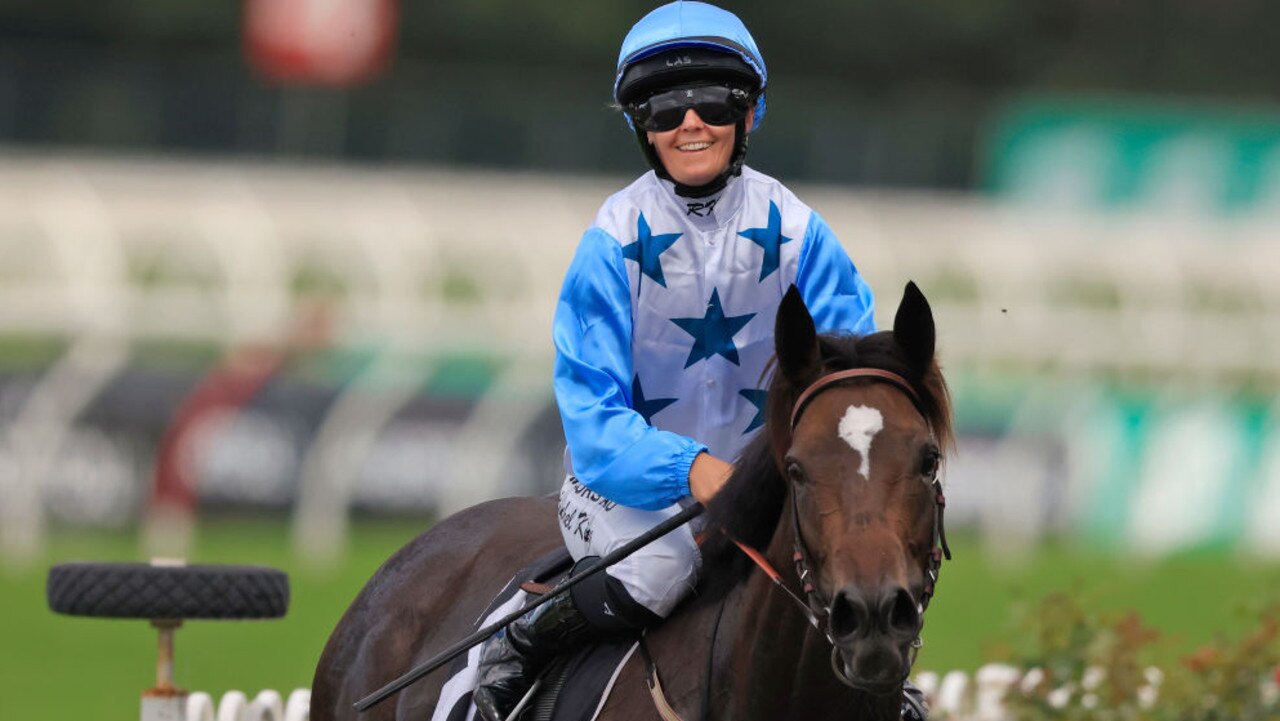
(657, 576)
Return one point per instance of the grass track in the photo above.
(58, 667)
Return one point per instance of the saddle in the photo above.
(574, 687)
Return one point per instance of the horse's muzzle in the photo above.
(873, 632)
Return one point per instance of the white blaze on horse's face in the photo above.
(859, 425)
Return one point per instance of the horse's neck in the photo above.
(777, 666)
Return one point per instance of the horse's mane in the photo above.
(749, 505)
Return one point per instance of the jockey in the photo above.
(664, 329)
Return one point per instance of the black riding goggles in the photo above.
(715, 104)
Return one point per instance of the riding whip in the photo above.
(653, 534)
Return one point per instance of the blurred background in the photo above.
(277, 276)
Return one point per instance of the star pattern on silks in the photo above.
(647, 249)
(646, 407)
(713, 333)
(757, 398)
(770, 238)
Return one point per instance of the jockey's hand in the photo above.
(707, 475)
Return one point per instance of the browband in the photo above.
(838, 376)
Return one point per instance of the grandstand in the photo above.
(1040, 313)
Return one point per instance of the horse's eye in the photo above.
(795, 473)
(929, 463)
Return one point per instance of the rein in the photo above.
(814, 604)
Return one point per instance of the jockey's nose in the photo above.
(888, 610)
(692, 121)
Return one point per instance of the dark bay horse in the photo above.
(840, 487)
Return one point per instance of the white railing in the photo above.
(953, 696)
(958, 696)
(236, 706)
(141, 248)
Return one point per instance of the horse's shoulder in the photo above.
(680, 649)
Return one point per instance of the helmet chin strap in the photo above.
(717, 183)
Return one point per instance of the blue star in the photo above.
(770, 238)
(647, 249)
(713, 333)
(757, 398)
(647, 408)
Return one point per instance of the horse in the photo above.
(839, 491)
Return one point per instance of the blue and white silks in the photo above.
(664, 327)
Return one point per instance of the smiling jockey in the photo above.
(664, 329)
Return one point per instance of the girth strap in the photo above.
(655, 686)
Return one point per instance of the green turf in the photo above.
(71, 668)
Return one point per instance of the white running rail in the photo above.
(235, 706)
(952, 696)
(957, 696)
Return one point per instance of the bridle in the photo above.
(817, 605)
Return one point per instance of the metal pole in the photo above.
(653, 534)
(164, 654)
(165, 702)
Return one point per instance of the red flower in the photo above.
(1202, 659)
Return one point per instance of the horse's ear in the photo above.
(913, 327)
(795, 340)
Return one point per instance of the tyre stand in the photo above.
(168, 593)
(165, 701)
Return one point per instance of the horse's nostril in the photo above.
(904, 614)
(845, 614)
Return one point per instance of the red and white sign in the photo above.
(323, 42)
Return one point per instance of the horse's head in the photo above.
(858, 427)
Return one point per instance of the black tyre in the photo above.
(139, 590)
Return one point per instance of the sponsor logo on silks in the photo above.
(590, 495)
(607, 611)
(700, 209)
(677, 62)
(582, 527)
(578, 523)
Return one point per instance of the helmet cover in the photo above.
(692, 26)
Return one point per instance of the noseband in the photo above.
(820, 606)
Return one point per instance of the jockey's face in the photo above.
(695, 152)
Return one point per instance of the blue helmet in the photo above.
(733, 54)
